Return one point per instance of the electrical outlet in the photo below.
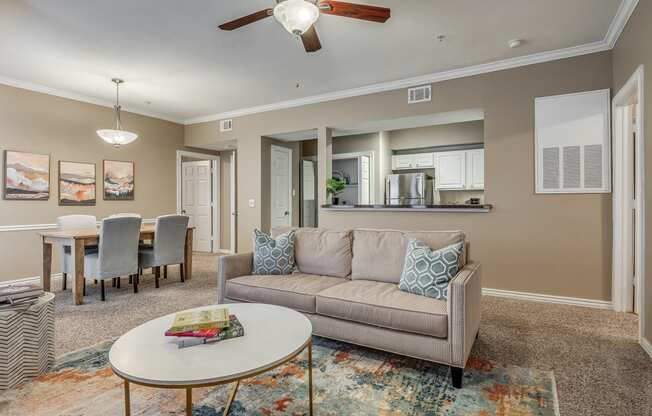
(252, 203)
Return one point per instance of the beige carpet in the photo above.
(599, 367)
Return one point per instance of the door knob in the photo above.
(286, 213)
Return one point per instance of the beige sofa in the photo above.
(347, 285)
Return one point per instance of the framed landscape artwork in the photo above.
(118, 180)
(77, 183)
(26, 176)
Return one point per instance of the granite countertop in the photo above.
(421, 208)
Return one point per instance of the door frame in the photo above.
(301, 191)
(290, 177)
(621, 287)
(233, 246)
(372, 170)
(215, 190)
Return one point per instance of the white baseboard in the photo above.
(223, 251)
(646, 346)
(536, 297)
(54, 277)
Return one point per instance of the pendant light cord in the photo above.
(118, 122)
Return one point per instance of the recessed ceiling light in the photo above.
(515, 43)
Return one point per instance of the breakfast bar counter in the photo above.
(411, 208)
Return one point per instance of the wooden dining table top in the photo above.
(90, 232)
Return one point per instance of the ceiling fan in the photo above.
(298, 17)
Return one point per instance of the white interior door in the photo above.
(197, 202)
(281, 192)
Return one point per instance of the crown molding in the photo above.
(619, 21)
(413, 81)
(30, 86)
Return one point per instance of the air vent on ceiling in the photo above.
(420, 94)
(226, 125)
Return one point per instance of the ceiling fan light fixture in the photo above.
(117, 137)
(296, 16)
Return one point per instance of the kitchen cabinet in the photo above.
(402, 162)
(424, 160)
(460, 170)
(450, 172)
(413, 161)
(475, 169)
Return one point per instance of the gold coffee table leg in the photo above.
(231, 397)
(310, 376)
(188, 402)
(127, 400)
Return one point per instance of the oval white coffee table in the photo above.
(273, 336)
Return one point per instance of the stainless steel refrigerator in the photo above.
(409, 189)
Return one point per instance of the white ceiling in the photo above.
(170, 53)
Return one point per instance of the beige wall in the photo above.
(550, 244)
(633, 49)
(441, 135)
(65, 129)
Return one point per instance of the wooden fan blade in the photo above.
(355, 11)
(254, 17)
(311, 40)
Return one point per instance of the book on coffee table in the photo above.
(234, 330)
(201, 319)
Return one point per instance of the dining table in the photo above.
(78, 239)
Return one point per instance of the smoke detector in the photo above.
(515, 43)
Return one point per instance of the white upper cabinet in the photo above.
(403, 162)
(475, 169)
(451, 170)
(413, 161)
(424, 160)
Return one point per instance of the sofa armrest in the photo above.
(232, 266)
(464, 305)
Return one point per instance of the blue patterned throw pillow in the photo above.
(273, 256)
(427, 272)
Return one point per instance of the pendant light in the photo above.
(117, 137)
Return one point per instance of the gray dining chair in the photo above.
(117, 253)
(74, 222)
(168, 246)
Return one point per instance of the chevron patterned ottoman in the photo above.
(26, 342)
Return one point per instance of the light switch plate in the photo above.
(252, 203)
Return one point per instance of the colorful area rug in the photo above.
(348, 380)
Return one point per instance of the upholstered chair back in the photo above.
(170, 238)
(118, 249)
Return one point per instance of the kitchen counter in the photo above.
(411, 208)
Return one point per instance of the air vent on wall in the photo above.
(226, 125)
(572, 143)
(420, 94)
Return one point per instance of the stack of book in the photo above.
(204, 326)
(19, 296)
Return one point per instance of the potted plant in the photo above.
(333, 188)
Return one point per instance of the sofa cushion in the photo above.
(379, 254)
(321, 251)
(384, 305)
(427, 272)
(296, 291)
(273, 255)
